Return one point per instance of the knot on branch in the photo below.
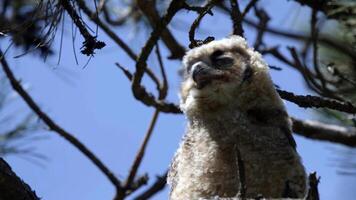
(90, 44)
(197, 43)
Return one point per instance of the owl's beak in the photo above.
(203, 74)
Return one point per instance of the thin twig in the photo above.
(148, 8)
(90, 43)
(144, 96)
(138, 90)
(314, 36)
(92, 16)
(263, 22)
(236, 18)
(299, 36)
(140, 154)
(251, 4)
(154, 188)
(55, 127)
(115, 37)
(127, 73)
(197, 9)
(308, 75)
(206, 9)
(137, 184)
(164, 86)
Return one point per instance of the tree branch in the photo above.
(320, 5)
(143, 95)
(325, 132)
(139, 156)
(149, 10)
(309, 101)
(154, 188)
(55, 127)
(206, 9)
(138, 90)
(299, 36)
(236, 18)
(264, 18)
(251, 4)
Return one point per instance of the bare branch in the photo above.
(137, 183)
(309, 101)
(325, 132)
(297, 64)
(146, 97)
(92, 16)
(55, 127)
(149, 10)
(197, 9)
(154, 188)
(140, 154)
(298, 36)
(251, 4)
(125, 71)
(263, 22)
(206, 9)
(344, 48)
(236, 18)
(311, 78)
(138, 90)
(314, 36)
(164, 86)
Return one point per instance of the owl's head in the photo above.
(221, 74)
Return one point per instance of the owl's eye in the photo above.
(223, 61)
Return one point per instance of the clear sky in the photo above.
(95, 103)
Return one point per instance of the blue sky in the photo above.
(95, 103)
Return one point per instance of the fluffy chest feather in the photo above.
(206, 163)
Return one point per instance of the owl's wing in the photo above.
(273, 117)
(287, 131)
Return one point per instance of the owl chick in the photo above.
(230, 102)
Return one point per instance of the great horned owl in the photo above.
(230, 102)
